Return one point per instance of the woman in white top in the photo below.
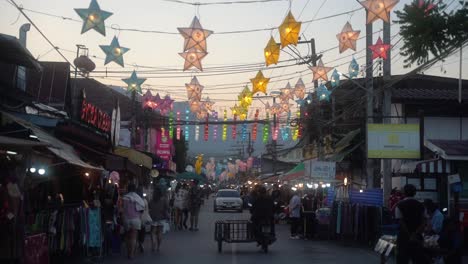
(180, 204)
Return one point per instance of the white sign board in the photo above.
(321, 170)
(392, 141)
(454, 178)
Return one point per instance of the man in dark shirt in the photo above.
(411, 214)
(262, 213)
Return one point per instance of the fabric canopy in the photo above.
(16, 143)
(135, 156)
(295, 173)
(59, 148)
(190, 176)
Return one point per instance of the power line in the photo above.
(222, 3)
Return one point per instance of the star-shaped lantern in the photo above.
(348, 37)
(299, 89)
(353, 68)
(289, 31)
(194, 89)
(379, 49)
(272, 52)
(166, 104)
(245, 97)
(287, 93)
(275, 109)
(114, 52)
(320, 71)
(323, 93)
(378, 9)
(195, 36)
(335, 79)
(93, 18)
(194, 106)
(267, 107)
(300, 102)
(259, 83)
(193, 58)
(134, 83)
(208, 104)
(147, 100)
(285, 106)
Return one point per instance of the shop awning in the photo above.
(18, 143)
(135, 156)
(449, 149)
(295, 173)
(426, 166)
(59, 148)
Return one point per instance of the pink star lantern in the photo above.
(147, 99)
(380, 50)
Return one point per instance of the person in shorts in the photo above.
(159, 212)
(132, 206)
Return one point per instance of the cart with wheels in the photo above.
(238, 231)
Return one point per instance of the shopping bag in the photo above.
(166, 227)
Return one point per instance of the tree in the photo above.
(427, 29)
(181, 148)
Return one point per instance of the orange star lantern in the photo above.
(320, 71)
(289, 31)
(379, 9)
(259, 83)
(380, 50)
(272, 52)
(348, 38)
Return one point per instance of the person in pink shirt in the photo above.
(133, 206)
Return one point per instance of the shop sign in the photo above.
(94, 116)
(393, 141)
(454, 178)
(163, 145)
(320, 170)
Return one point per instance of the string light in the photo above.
(171, 125)
(254, 127)
(225, 125)
(266, 128)
(197, 132)
(215, 127)
(178, 126)
(234, 127)
(244, 132)
(207, 127)
(186, 132)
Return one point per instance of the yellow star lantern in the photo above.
(193, 58)
(272, 52)
(379, 9)
(235, 109)
(245, 97)
(259, 83)
(320, 71)
(348, 38)
(289, 31)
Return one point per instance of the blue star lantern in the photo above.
(134, 83)
(323, 93)
(353, 69)
(335, 78)
(114, 52)
(93, 18)
(300, 102)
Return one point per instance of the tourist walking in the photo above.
(295, 215)
(145, 220)
(180, 204)
(195, 201)
(132, 208)
(159, 212)
(411, 215)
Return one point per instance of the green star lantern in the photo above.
(134, 83)
(93, 18)
(114, 52)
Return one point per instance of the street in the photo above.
(186, 247)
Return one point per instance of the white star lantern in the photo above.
(193, 58)
(299, 89)
(320, 71)
(379, 9)
(195, 48)
(348, 38)
(194, 89)
(287, 93)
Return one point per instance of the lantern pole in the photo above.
(386, 112)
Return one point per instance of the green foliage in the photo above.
(430, 32)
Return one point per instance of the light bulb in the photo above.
(267, 53)
(32, 170)
(41, 171)
(288, 29)
(117, 51)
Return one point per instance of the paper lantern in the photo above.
(178, 129)
(309, 99)
(320, 71)
(272, 52)
(207, 128)
(245, 97)
(197, 132)
(259, 83)
(254, 126)
(225, 125)
(234, 127)
(266, 128)
(276, 108)
(193, 58)
(201, 114)
(147, 100)
(93, 18)
(335, 79)
(353, 68)
(300, 102)
(287, 93)
(194, 106)
(195, 36)
(299, 89)
(289, 31)
(114, 52)
(285, 106)
(379, 49)
(348, 38)
(186, 129)
(194, 89)
(379, 9)
(323, 94)
(208, 104)
(171, 125)
(134, 83)
(244, 132)
(274, 136)
(166, 104)
(215, 127)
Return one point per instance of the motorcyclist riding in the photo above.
(262, 215)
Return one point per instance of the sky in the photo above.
(151, 55)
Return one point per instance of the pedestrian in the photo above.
(451, 242)
(133, 206)
(185, 211)
(411, 214)
(145, 220)
(295, 214)
(180, 204)
(435, 217)
(262, 214)
(195, 202)
(159, 212)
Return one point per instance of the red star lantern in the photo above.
(380, 50)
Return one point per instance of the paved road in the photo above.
(187, 247)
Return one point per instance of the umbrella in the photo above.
(190, 176)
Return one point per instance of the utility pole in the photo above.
(370, 102)
(274, 139)
(386, 113)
